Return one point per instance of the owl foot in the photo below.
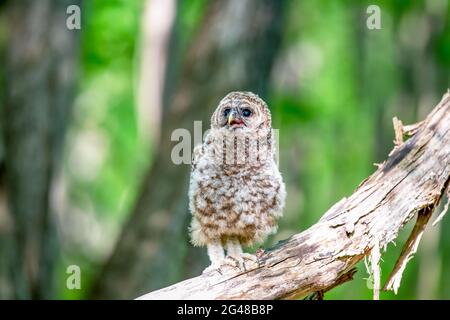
(251, 261)
(225, 267)
(244, 262)
(214, 267)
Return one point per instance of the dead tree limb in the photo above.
(413, 180)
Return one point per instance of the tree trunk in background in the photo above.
(39, 66)
(233, 50)
(5, 281)
(157, 22)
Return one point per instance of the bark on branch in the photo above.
(412, 181)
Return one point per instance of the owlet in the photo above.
(236, 192)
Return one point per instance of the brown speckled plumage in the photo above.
(236, 191)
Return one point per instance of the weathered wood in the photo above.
(411, 181)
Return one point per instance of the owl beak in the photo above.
(233, 118)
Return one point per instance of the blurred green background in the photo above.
(139, 69)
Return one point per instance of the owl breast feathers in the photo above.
(236, 192)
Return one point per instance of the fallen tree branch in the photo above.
(444, 211)
(411, 181)
(409, 249)
(375, 258)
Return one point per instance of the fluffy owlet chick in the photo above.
(236, 192)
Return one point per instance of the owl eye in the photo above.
(246, 112)
(226, 112)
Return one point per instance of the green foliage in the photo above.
(339, 115)
(105, 117)
(106, 104)
(333, 112)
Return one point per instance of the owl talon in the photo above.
(244, 262)
(228, 266)
(253, 261)
(214, 267)
(234, 262)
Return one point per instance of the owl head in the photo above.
(241, 111)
